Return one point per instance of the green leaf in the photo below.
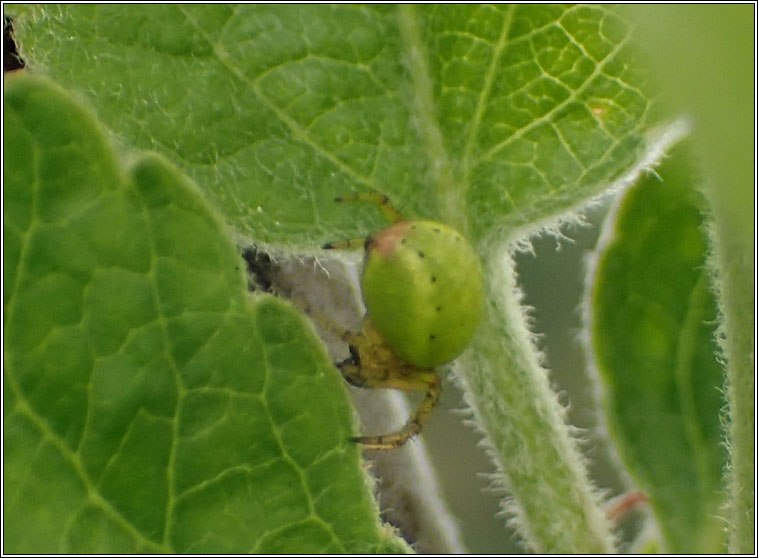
(483, 116)
(150, 404)
(653, 330)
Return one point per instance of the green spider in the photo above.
(423, 290)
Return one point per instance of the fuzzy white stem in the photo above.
(732, 262)
(556, 508)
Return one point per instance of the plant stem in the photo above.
(555, 507)
(734, 263)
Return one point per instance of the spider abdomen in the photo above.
(422, 286)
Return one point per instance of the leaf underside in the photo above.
(514, 114)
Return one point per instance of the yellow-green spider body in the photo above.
(423, 289)
(422, 286)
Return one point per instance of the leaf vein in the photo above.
(484, 95)
(574, 96)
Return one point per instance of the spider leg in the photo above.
(381, 200)
(348, 244)
(392, 214)
(350, 368)
(415, 421)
